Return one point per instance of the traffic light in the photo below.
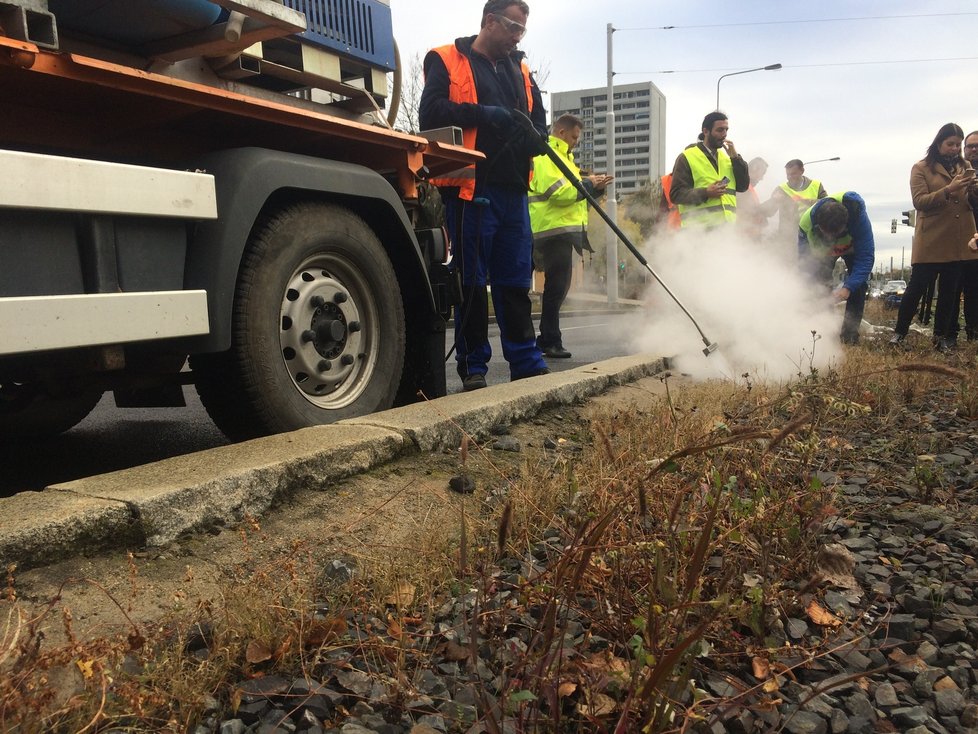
(910, 217)
(892, 226)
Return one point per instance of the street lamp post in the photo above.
(822, 160)
(769, 67)
(611, 207)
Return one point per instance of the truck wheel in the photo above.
(28, 413)
(318, 327)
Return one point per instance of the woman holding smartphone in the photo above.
(939, 186)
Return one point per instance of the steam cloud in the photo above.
(750, 298)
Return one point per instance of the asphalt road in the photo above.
(111, 438)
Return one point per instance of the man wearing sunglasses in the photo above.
(838, 226)
(478, 84)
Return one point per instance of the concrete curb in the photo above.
(156, 503)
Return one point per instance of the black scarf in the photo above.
(950, 162)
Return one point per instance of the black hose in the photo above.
(527, 124)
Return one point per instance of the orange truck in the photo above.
(212, 193)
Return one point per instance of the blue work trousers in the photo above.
(496, 249)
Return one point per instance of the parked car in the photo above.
(893, 292)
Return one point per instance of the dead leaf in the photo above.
(394, 629)
(599, 705)
(762, 668)
(822, 616)
(323, 630)
(835, 563)
(771, 685)
(783, 670)
(258, 652)
(85, 667)
(767, 704)
(565, 689)
(401, 596)
(454, 652)
(607, 663)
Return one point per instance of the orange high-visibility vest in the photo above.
(672, 218)
(461, 89)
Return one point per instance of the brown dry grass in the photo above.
(688, 530)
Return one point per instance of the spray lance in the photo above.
(527, 125)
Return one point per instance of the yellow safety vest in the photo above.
(555, 206)
(712, 212)
(806, 197)
(819, 246)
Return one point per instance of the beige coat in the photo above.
(944, 225)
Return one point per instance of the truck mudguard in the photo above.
(249, 179)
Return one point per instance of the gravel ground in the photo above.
(888, 643)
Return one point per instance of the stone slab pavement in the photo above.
(152, 505)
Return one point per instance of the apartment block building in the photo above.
(640, 131)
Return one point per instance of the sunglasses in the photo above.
(517, 29)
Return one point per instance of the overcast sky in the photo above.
(830, 99)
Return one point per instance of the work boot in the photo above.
(945, 343)
(555, 352)
(473, 382)
(898, 339)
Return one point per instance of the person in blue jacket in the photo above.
(838, 226)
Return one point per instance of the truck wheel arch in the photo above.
(252, 182)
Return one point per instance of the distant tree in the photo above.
(540, 71)
(642, 206)
(412, 84)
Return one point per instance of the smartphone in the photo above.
(724, 181)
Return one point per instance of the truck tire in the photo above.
(26, 413)
(317, 331)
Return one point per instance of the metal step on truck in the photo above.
(211, 193)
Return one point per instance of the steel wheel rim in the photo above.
(328, 331)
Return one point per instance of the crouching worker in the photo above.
(838, 227)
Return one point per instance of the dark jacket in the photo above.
(508, 152)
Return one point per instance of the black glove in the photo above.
(500, 118)
(538, 143)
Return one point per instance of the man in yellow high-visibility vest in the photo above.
(707, 176)
(558, 218)
(793, 198)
